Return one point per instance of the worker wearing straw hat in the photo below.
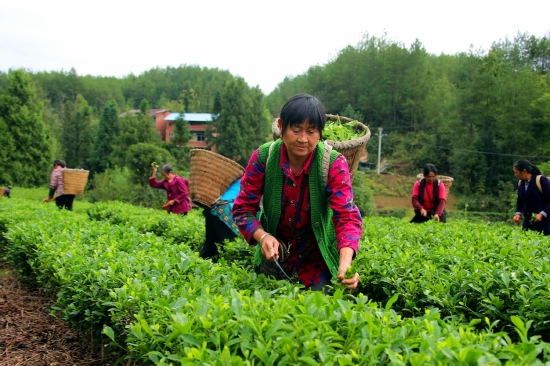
(56, 187)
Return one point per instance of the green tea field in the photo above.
(131, 279)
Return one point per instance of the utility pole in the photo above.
(380, 129)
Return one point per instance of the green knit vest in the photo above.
(321, 213)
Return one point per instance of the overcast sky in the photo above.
(262, 41)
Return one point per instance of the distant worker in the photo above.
(429, 197)
(176, 187)
(218, 222)
(7, 191)
(56, 187)
(533, 197)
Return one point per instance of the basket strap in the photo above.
(268, 155)
(326, 161)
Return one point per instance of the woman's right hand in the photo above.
(270, 247)
(516, 218)
(423, 212)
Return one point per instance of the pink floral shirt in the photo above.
(56, 181)
(305, 255)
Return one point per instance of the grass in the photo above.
(39, 193)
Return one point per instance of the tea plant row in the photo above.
(154, 297)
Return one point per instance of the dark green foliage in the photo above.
(243, 123)
(26, 140)
(139, 158)
(77, 133)
(135, 129)
(107, 132)
(178, 143)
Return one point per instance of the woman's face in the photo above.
(300, 140)
(522, 175)
(430, 178)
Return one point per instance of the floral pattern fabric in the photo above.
(305, 256)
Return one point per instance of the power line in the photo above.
(494, 153)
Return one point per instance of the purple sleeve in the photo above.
(182, 190)
(156, 184)
(346, 216)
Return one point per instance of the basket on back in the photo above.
(210, 176)
(351, 149)
(447, 181)
(74, 181)
(2, 190)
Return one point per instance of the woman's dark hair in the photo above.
(303, 107)
(166, 169)
(59, 162)
(522, 165)
(429, 168)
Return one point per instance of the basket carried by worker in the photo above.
(74, 181)
(351, 149)
(211, 175)
(2, 190)
(447, 181)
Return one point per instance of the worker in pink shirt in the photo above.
(429, 197)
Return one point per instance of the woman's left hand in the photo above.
(436, 218)
(346, 256)
(169, 203)
(351, 283)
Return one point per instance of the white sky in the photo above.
(259, 40)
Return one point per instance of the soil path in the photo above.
(29, 335)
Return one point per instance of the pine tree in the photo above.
(107, 132)
(243, 121)
(29, 157)
(76, 137)
(134, 129)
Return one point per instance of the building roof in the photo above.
(195, 117)
(152, 112)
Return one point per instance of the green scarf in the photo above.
(321, 213)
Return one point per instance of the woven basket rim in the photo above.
(338, 145)
(204, 181)
(217, 156)
(443, 178)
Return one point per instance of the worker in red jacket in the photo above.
(176, 187)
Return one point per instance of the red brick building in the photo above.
(158, 116)
(163, 121)
(197, 127)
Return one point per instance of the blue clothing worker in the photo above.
(219, 224)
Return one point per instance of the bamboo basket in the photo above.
(74, 181)
(210, 176)
(351, 149)
(447, 181)
(2, 190)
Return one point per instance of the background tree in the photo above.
(178, 143)
(30, 157)
(139, 158)
(107, 133)
(243, 122)
(138, 128)
(77, 132)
